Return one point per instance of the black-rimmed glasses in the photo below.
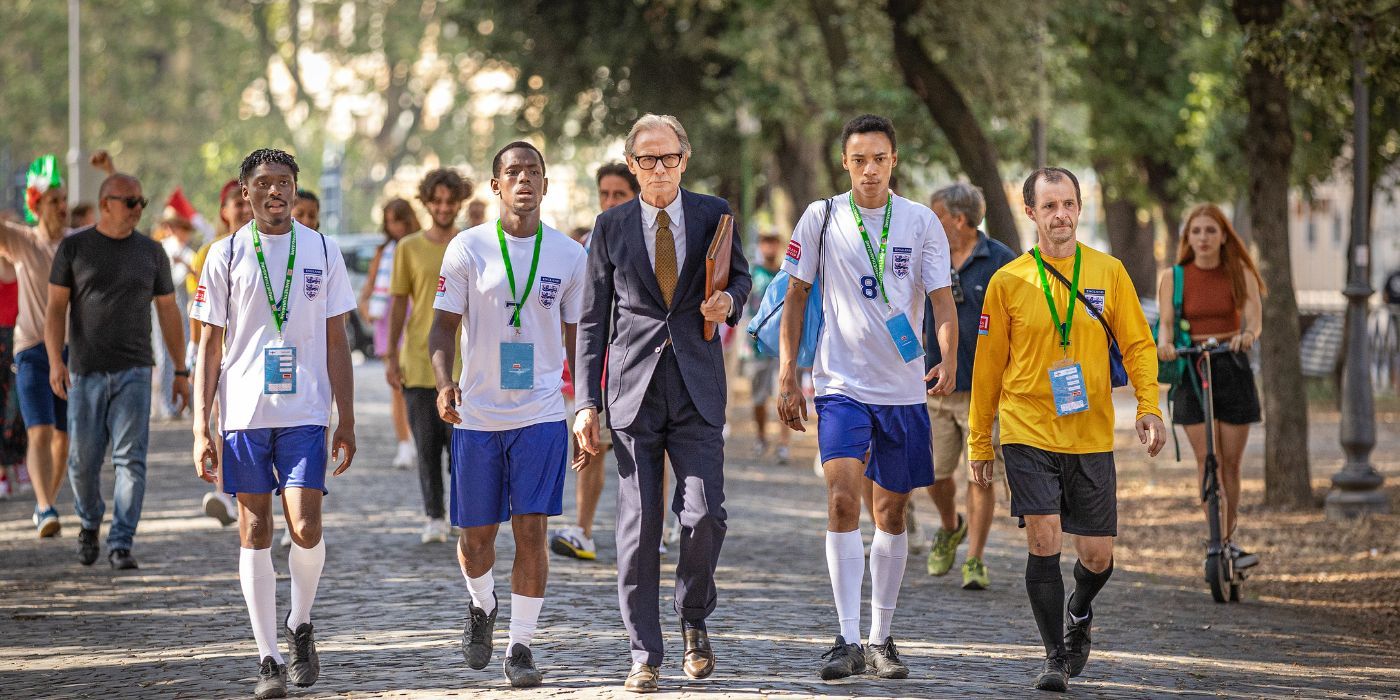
(131, 202)
(669, 160)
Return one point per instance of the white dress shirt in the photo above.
(677, 214)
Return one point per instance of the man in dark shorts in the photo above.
(1048, 377)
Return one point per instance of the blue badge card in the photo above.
(904, 337)
(280, 370)
(1067, 388)
(517, 365)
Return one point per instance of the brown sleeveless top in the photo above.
(1208, 301)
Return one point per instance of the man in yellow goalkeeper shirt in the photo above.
(1043, 365)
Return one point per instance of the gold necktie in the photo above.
(665, 257)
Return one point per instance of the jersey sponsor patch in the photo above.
(311, 282)
(899, 260)
(200, 295)
(442, 286)
(794, 252)
(549, 291)
(1095, 297)
(984, 324)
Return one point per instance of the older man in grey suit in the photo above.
(644, 309)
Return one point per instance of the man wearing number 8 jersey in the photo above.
(515, 281)
(878, 258)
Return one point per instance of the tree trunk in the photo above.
(1127, 237)
(1268, 149)
(976, 154)
(1161, 176)
(799, 163)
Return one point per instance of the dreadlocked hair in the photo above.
(264, 156)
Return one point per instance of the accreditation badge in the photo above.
(904, 337)
(280, 370)
(517, 365)
(1067, 388)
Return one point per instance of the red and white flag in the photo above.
(180, 206)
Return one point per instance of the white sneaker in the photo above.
(784, 455)
(406, 457)
(570, 542)
(286, 539)
(434, 530)
(220, 506)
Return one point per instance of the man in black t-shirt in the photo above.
(110, 273)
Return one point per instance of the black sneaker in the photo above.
(88, 548)
(304, 666)
(883, 660)
(520, 668)
(476, 638)
(1055, 676)
(272, 680)
(1077, 642)
(842, 660)
(120, 559)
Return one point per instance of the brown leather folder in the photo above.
(717, 263)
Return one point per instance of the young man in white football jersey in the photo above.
(515, 281)
(273, 353)
(876, 256)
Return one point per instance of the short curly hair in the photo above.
(264, 156)
(459, 186)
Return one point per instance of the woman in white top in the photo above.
(399, 221)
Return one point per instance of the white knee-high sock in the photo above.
(259, 582)
(483, 589)
(845, 562)
(306, 567)
(888, 554)
(524, 616)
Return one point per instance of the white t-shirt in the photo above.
(320, 290)
(856, 357)
(474, 284)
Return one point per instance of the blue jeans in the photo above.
(113, 406)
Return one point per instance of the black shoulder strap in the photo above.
(821, 237)
(1101, 314)
(228, 296)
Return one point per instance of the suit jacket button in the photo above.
(658, 349)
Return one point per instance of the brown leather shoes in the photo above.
(699, 657)
(642, 679)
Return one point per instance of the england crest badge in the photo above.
(311, 282)
(549, 291)
(1095, 297)
(899, 261)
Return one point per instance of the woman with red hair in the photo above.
(1221, 292)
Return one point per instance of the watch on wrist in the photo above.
(182, 373)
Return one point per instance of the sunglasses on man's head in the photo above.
(957, 289)
(131, 202)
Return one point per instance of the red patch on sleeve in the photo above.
(794, 251)
(984, 324)
(199, 294)
(442, 285)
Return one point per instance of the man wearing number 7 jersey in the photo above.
(515, 282)
(273, 298)
(878, 256)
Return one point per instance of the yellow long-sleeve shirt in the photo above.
(1017, 344)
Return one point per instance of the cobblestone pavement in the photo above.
(391, 610)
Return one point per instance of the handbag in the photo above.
(767, 323)
(1170, 372)
(1116, 371)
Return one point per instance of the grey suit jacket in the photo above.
(626, 326)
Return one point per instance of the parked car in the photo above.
(358, 250)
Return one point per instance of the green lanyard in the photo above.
(510, 271)
(1063, 328)
(280, 311)
(876, 262)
